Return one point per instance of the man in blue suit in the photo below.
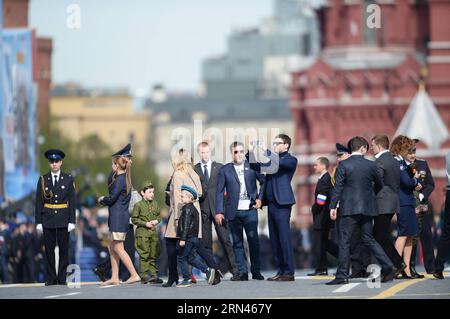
(238, 182)
(278, 195)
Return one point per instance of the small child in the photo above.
(187, 232)
(146, 216)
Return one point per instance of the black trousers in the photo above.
(359, 255)
(348, 225)
(53, 236)
(444, 241)
(322, 245)
(223, 235)
(172, 252)
(382, 234)
(426, 239)
(207, 256)
(129, 248)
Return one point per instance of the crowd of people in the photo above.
(358, 209)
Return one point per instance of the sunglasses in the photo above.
(412, 151)
(238, 152)
(277, 143)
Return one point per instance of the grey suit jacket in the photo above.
(387, 198)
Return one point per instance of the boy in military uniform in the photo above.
(55, 215)
(146, 216)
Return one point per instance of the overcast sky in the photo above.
(139, 43)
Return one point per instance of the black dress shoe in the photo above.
(155, 280)
(257, 276)
(389, 276)
(274, 278)
(438, 274)
(243, 277)
(51, 283)
(360, 274)
(337, 281)
(319, 273)
(286, 278)
(101, 274)
(235, 277)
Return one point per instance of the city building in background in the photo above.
(365, 78)
(107, 113)
(175, 119)
(259, 59)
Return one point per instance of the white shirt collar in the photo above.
(208, 164)
(239, 165)
(321, 175)
(356, 153)
(381, 153)
(57, 174)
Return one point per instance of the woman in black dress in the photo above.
(118, 201)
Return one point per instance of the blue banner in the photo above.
(18, 114)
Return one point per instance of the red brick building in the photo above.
(364, 79)
(15, 15)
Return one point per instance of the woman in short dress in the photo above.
(118, 201)
(406, 218)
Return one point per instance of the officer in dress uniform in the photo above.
(423, 213)
(322, 222)
(55, 215)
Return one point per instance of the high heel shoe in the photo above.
(404, 275)
(170, 282)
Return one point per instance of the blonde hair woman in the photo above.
(407, 224)
(118, 201)
(183, 174)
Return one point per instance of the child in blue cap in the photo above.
(187, 232)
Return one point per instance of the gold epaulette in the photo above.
(46, 195)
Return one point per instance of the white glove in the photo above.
(39, 227)
(70, 227)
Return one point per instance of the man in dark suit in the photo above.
(387, 199)
(55, 215)
(321, 218)
(359, 255)
(444, 240)
(355, 193)
(279, 197)
(208, 171)
(240, 208)
(425, 216)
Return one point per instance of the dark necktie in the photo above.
(56, 180)
(206, 173)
